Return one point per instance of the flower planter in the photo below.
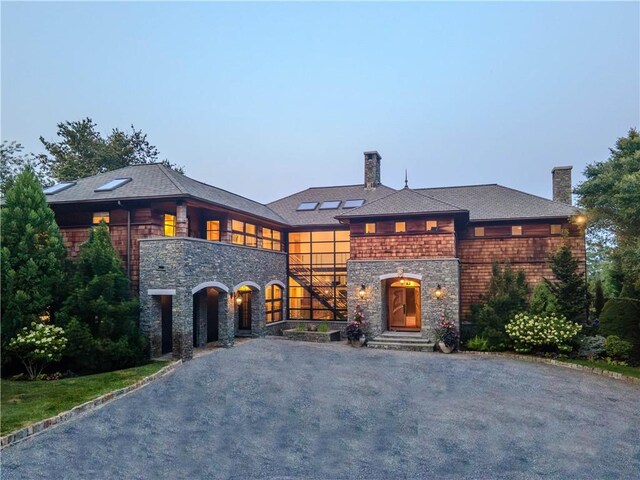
(444, 348)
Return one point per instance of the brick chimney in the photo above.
(371, 169)
(562, 184)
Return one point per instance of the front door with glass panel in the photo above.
(403, 298)
(244, 311)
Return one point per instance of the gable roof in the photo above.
(402, 202)
(158, 181)
(288, 207)
(495, 202)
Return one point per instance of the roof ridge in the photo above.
(461, 186)
(163, 169)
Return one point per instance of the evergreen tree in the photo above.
(506, 295)
(33, 255)
(568, 286)
(100, 315)
(598, 297)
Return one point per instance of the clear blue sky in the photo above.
(268, 99)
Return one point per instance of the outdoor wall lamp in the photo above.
(438, 293)
(362, 291)
(238, 299)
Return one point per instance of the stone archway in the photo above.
(249, 309)
(209, 308)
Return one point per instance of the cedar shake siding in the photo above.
(414, 244)
(529, 252)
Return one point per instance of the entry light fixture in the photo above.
(438, 293)
(238, 299)
(362, 291)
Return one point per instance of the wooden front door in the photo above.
(244, 312)
(404, 307)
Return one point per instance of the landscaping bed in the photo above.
(312, 336)
(26, 402)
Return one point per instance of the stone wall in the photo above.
(182, 264)
(430, 273)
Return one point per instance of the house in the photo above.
(210, 265)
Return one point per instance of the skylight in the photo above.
(330, 205)
(113, 184)
(307, 206)
(53, 189)
(353, 203)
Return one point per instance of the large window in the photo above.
(271, 239)
(273, 303)
(169, 225)
(318, 274)
(243, 233)
(213, 230)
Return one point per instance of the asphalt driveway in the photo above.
(272, 408)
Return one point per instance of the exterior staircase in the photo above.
(411, 341)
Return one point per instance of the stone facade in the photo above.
(373, 274)
(178, 266)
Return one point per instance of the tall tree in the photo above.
(33, 254)
(82, 151)
(12, 162)
(100, 315)
(611, 196)
(568, 285)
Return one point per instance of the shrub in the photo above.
(478, 343)
(621, 317)
(300, 327)
(506, 295)
(542, 332)
(543, 301)
(38, 345)
(591, 347)
(618, 348)
(323, 327)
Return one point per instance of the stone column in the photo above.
(202, 312)
(151, 323)
(226, 320)
(181, 221)
(258, 323)
(183, 324)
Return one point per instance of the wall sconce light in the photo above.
(580, 219)
(238, 299)
(362, 291)
(438, 293)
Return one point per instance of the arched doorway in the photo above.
(244, 308)
(208, 307)
(403, 305)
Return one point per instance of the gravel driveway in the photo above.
(272, 408)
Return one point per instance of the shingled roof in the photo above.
(495, 202)
(288, 207)
(158, 181)
(402, 202)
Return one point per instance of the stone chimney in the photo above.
(562, 184)
(371, 169)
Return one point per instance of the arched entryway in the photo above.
(208, 300)
(246, 307)
(403, 304)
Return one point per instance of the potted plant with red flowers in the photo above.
(446, 334)
(355, 331)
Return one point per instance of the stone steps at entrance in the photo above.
(411, 341)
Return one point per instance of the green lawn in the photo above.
(27, 402)
(630, 371)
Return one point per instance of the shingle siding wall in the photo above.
(530, 254)
(379, 247)
(189, 262)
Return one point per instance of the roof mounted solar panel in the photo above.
(330, 205)
(307, 206)
(353, 203)
(113, 184)
(53, 189)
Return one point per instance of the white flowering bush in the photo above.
(38, 345)
(539, 332)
